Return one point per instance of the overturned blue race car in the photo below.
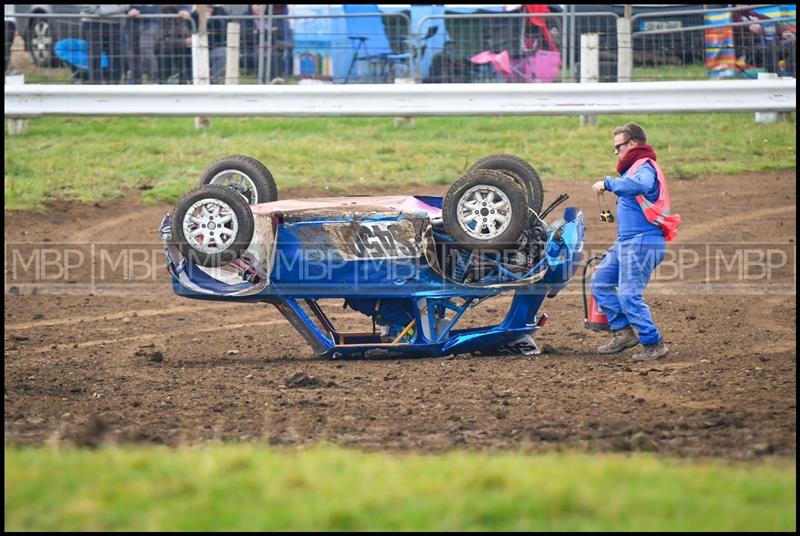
(413, 265)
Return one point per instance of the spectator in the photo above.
(281, 64)
(174, 45)
(767, 45)
(217, 38)
(103, 34)
(250, 29)
(536, 33)
(141, 33)
(283, 42)
(251, 35)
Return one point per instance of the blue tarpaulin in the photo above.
(75, 52)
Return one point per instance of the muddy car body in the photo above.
(392, 258)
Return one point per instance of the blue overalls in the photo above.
(619, 281)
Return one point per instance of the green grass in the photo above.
(38, 75)
(248, 487)
(664, 73)
(92, 159)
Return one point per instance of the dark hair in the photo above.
(634, 131)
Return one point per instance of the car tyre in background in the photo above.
(212, 226)
(486, 209)
(243, 174)
(521, 170)
(41, 42)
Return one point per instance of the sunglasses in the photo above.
(617, 146)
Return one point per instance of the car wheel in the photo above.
(521, 170)
(485, 209)
(245, 175)
(40, 42)
(212, 226)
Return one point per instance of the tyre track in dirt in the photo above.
(144, 337)
(118, 229)
(117, 316)
(151, 336)
(709, 227)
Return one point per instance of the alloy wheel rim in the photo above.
(484, 212)
(238, 181)
(41, 40)
(210, 226)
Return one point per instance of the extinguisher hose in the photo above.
(585, 301)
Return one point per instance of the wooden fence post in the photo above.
(200, 62)
(405, 120)
(768, 118)
(16, 125)
(624, 50)
(232, 54)
(590, 68)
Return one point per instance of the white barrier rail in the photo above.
(402, 99)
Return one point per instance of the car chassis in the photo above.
(391, 259)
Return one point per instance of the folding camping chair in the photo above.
(368, 39)
(527, 53)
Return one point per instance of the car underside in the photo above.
(412, 265)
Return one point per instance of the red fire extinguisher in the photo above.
(593, 316)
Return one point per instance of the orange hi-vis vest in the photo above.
(658, 212)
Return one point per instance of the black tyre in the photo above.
(520, 169)
(243, 174)
(40, 42)
(212, 226)
(485, 209)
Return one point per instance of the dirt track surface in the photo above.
(134, 363)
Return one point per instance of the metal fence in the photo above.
(115, 49)
(362, 47)
(732, 42)
(347, 48)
